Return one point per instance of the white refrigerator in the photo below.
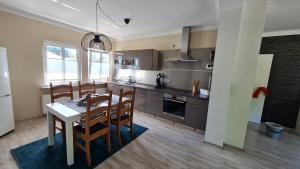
(6, 110)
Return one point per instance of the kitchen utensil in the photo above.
(195, 87)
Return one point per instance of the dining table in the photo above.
(70, 111)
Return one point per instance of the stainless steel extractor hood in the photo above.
(184, 51)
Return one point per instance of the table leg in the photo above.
(50, 129)
(69, 143)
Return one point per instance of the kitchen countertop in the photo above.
(165, 89)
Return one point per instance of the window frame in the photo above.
(63, 46)
(90, 61)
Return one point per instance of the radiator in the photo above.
(46, 98)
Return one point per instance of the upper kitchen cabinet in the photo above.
(137, 59)
(148, 59)
(118, 58)
(130, 55)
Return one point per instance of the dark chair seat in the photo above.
(81, 128)
(122, 117)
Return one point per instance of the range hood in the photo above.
(183, 55)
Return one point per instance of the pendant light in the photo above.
(96, 41)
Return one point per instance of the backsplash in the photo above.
(180, 79)
(179, 74)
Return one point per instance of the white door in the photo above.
(263, 69)
(6, 110)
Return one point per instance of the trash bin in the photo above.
(273, 130)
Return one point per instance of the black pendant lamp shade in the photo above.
(94, 41)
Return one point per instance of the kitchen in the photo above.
(160, 91)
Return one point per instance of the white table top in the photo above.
(69, 110)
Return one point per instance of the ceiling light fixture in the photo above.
(68, 6)
(98, 41)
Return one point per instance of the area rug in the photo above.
(37, 155)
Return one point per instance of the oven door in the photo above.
(174, 108)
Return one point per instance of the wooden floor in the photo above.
(168, 146)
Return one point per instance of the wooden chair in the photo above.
(87, 88)
(57, 92)
(124, 114)
(94, 123)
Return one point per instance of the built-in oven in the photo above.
(174, 105)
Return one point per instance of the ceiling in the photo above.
(149, 17)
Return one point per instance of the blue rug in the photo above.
(37, 155)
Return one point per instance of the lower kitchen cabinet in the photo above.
(154, 103)
(114, 88)
(125, 88)
(196, 113)
(140, 100)
(151, 102)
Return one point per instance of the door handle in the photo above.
(7, 95)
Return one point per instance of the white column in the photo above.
(222, 72)
(238, 43)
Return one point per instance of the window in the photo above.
(99, 66)
(61, 63)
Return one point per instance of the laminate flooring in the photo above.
(169, 146)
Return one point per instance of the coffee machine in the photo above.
(159, 81)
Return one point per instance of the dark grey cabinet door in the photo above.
(118, 57)
(145, 59)
(114, 88)
(130, 57)
(140, 100)
(154, 104)
(196, 113)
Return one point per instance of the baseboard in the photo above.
(234, 148)
(217, 146)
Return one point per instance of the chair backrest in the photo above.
(87, 88)
(126, 102)
(98, 111)
(60, 91)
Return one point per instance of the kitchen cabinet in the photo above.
(125, 88)
(148, 59)
(130, 57)
(151, 102)
(118, 57)
(196, 113)
(154, 103)
(137, 59)
(140, 97)
(126, 59)
(140, 100)
(114, 88)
